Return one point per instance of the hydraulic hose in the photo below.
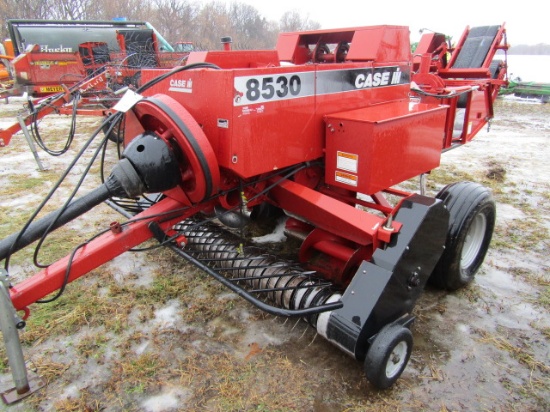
(148, 165)
(58, 218)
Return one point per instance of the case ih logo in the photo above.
(181, 86)
(383, 76)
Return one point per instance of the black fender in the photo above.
(387, 287)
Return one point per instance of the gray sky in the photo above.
(524, 25)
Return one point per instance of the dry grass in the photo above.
(104, 344)
(539, 379)
(520, 353)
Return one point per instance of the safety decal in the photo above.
(346, 178)
(347, 161)
(50, 89)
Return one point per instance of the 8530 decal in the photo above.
(259, 89)
(270, 86)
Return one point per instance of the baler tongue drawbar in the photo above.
(147, 165)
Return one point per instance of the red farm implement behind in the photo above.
(71, 74)
(51, 55)
(321, 130)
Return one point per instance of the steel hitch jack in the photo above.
(10, 322)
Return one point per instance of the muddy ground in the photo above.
(147, 332)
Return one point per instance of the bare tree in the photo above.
(134, 10)
(214, 23)
(293, 21)
(69, 9)
(22, 9)
(250, 29)
(175, 19)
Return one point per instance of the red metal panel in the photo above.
(327, 213)
(381, 44)
(263, 119)
(364, 84)
(274, 120)
(371, 43)
(289, 50)
(372, 149)
(252, 134)
(236, 58)
(49, 69)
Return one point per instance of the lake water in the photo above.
(529, 68)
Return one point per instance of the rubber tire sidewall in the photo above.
(464, 201)
(379, 353)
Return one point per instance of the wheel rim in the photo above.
(396, 360)
(473, 241)
(169, 120)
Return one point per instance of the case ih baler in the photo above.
(321, 130)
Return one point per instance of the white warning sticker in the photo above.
(346, 178)
(127, 101)
(347, 161)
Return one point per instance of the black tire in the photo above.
(471, 223)
(388, 355)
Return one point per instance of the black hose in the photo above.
(72, 129)
(52, 221)
(70, 210)
(56, 186)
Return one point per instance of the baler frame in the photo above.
(361, 271)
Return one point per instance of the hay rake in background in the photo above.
(79, 67)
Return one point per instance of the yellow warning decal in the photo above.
(50, 89)
(53, 62)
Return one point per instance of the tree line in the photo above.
(531, 49)
(176, 20)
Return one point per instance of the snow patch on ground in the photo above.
(276, 236)
(168, 399)
(167, 316)
(133, 268)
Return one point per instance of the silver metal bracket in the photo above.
(9, 322)
(423, 184)
(28, 137)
